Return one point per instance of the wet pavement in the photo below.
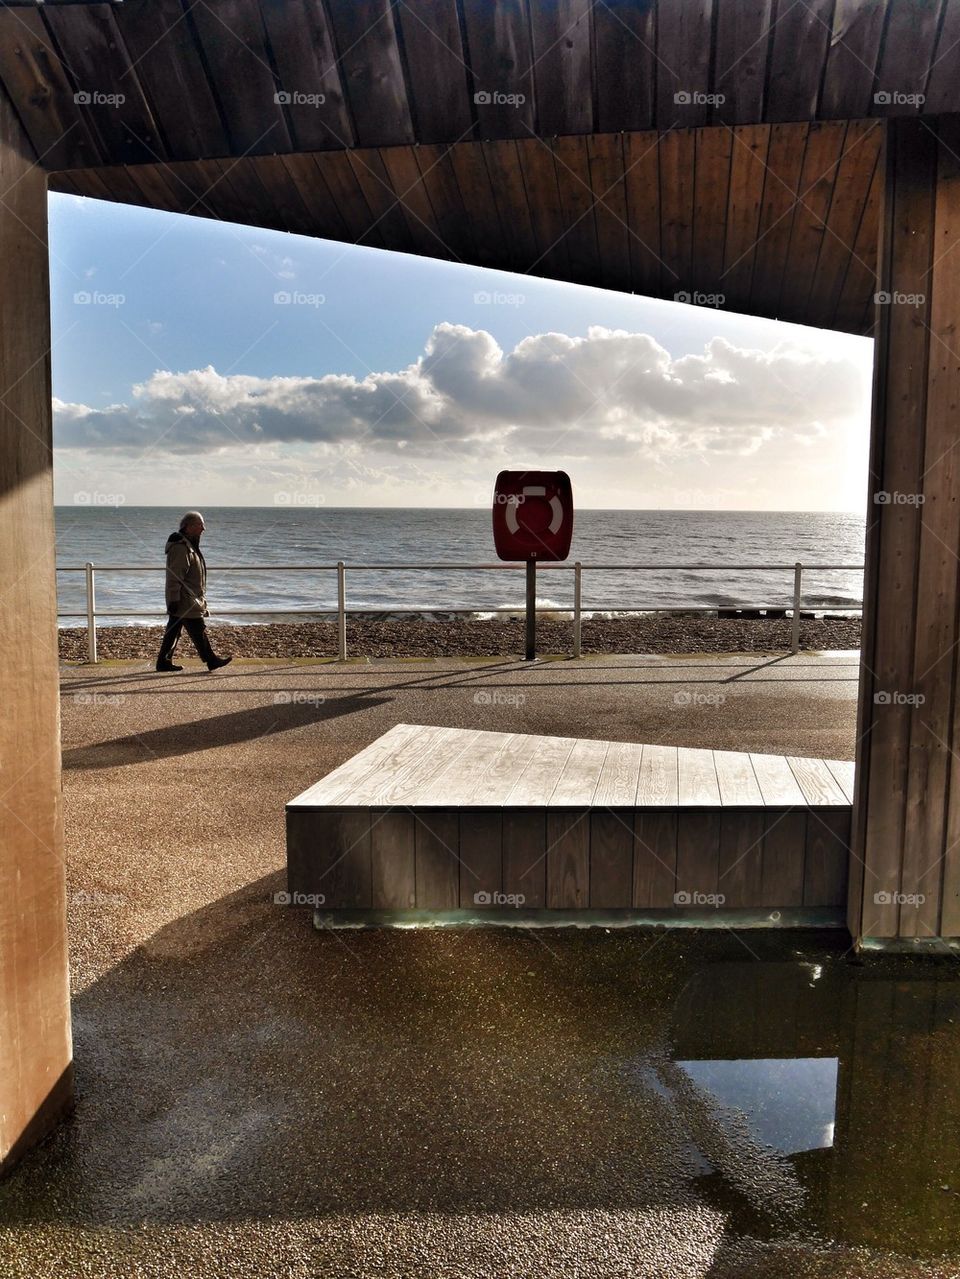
(259, 1098)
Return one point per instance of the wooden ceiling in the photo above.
(779, 220)
(540, 136)
(206, 79)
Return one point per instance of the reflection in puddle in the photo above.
(789, 1103)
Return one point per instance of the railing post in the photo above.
(91, 613)
(341, 611)
(577, 585)
(797, 596)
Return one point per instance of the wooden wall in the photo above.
(905, 867)
(35, 1051)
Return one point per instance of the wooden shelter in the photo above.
(800, 159)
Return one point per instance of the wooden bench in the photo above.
(446, 819)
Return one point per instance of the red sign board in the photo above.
(533, 515)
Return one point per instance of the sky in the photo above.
(198, 363)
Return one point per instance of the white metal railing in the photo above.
(794, 607)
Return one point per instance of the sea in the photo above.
(265, 563)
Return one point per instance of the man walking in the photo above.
(186, 595)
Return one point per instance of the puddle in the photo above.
(829, 1096)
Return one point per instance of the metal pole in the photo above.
(531, 652)
(797, 596)
(577, 584)
(341, 611)
(91, 613)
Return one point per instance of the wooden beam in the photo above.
(35, 1049)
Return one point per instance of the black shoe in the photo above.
(218, 662)
(168, 666)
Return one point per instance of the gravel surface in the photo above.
(370, 638)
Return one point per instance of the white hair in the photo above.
(189, 518)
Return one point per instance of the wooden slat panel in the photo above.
(438, 75)
(776, 780)
(625, 40)
(619, 776)
(740, 877)
(747, 171)
(576, 200)
(698, 855)
(581, 774)
(568, 860)
(852, 58)
(234, 47)
(506, 182)
(944, 75)
(440, 184)
(373, 186)
(654, 858)
(546, 213)
(855, 306)
(825, 145)
(437, 849)
(329, 853)
(404, 174)
(737, 781)
(784, 850)
(784, 163)
(641, 154)
(168, 65)
(658, 785)
(697, 778)
(324, 208)
(843, 771)
(481, 856)
(912, 28)
(458, 768)
(561, 66)
(306, 61)
(676, 210)
(393, 860)
(93, 50)
(538, 780)
(499, 40)
(605, 152)
(826, 857)
(399, 776)
(369, 59)
(714, 149)
(741, 59)
(495, 775)
(337, 785)
(525, 855)
(39, 84)
(291, 212)
(801, 36)
(683, 64)
(611, 859)
(816, 781)
(470, 167)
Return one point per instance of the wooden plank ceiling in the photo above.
(772, 220)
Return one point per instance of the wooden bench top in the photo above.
(421, 766)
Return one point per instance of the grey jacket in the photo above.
(186, 577)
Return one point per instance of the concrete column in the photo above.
(35, 1048)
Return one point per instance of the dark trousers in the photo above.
(197, 630)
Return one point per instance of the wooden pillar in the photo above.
(905, 863)
(35, 1049)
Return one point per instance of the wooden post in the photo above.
(905, 860)
(35, 1049)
